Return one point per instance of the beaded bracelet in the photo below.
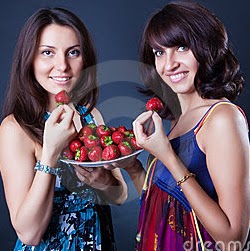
(184, 178)
(45, 169)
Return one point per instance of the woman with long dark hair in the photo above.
(54, 206)
(196, 192)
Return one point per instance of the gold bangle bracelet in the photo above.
(184, 178)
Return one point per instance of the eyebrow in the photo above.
(53, 47)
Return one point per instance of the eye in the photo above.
(47, 53)
(158, 53)
(74, 53)
(182, 48)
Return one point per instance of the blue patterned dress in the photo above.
(81, 220)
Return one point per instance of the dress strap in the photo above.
(211, 109)
(82, 110)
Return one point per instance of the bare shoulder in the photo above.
(10, 127)
(226, 116)
(11, 133)
(225, 122)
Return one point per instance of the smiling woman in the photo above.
(195, 169)
(54, 209)
(58, 62)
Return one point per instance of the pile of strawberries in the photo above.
(96, 143)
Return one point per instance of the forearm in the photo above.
(212, 216)
(220, 225)
(137, 174)
(34, 214)
(115, 192)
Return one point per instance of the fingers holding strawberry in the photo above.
(58, 131)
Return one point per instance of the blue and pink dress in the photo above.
(166, 220)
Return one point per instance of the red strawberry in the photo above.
(62, 98)
(106, 141)
(134, 144)
(91, 141)
(125, 148)
(95, 154)
(112, 128)
(92, 126)
(85, 132)
(110, 152)
(154, 104)
(74, 145)
(81, 154)
(117, 137)
(121, 129)
(67, 154)
(129, 133)
(103, 130)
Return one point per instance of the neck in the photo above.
(189, 102)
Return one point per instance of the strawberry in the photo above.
(106, 141)
(74, 145)
(92, 126)
(112, 128)
(103, 130)
(125, 148)
(110, 152)
(81, 154)
(134, 144)
(91, 141)
(117, 137)
(121, 129)
(62, 98)
(95, 154)
(67, 154)
(85, 132)
(129, 133)
(154, 104)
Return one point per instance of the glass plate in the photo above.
(99, 163)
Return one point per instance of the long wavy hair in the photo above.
(25, 98)
(192, 25)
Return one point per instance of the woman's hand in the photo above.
(97, 177)
(59, 130)
(155, 142)
(125, 164)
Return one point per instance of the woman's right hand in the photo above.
(154, 141)
(59, 130)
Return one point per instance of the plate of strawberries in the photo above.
(99, 145)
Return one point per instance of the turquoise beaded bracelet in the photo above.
(45, 169)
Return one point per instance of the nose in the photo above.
(171, 62)
(61, 62)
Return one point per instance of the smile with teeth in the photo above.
(61, 79)
(178, 76)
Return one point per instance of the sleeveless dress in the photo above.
(166, 220)
(81, 221)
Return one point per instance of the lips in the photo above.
(177, 77)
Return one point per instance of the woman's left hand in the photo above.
(96, 177)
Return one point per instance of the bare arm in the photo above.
(29, 195)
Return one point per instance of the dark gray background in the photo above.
(116, 27)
